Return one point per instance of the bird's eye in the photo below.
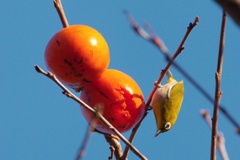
(168, 126)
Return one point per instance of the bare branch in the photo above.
(207, 117)
(221, 146)
(156, 41)
(88, 134)
(61, 14)
(112, 149)
(85, 142)
(220, 137)
(101, 118)
(218, 92)
(179, 50)
(134, 132)
(232, 7)
(115, 145)
(135, 27)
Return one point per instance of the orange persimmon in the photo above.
(77, 55)
(118, 97)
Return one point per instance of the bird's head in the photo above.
(165, 127)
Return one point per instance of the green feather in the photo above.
(166, 103)
(174, 102)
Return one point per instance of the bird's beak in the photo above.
(158, 132)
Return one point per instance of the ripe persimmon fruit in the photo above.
(77, 55)
(118, 97)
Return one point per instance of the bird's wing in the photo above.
(174, 100)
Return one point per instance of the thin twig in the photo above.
(179, 50)
(112, 149)
(85, 142)
(135, 27)
(99, 115)
(232, 7)
(88, 134)
(156, 41)
(218, 92)
(134, 132)
(115, 145)
(61, 14)
(220, 137)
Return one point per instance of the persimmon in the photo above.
(77, 55)
(118, 97)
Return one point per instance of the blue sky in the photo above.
(38, 122)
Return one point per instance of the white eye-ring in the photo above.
(168, 126)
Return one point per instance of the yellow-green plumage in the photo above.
(166, 104)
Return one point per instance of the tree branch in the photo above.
(84, 144)
(115, 145)
(163, 72)
(218, 92)
(156, 41)
(220, 137)
(179, 50)
(99, 115)
(88, 134)
(232, 7)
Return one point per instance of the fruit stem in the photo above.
(61, 14)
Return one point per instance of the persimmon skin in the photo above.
(118, 97)
(77, 55)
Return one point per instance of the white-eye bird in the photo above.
(166, 103)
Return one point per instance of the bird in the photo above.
(166, 103)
